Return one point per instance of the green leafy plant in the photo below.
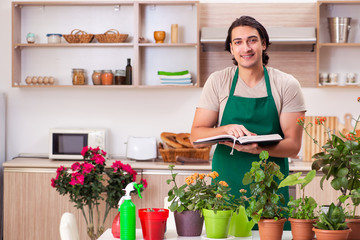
(87, 182)
(339, 158)
(200, 191)
(303, 207)
(334, 219)
(264, 200)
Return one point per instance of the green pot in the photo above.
(217, 225)
(240, 226)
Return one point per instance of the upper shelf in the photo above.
(277, 35)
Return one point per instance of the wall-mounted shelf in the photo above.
(277, 35)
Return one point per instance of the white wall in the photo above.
(126, 112)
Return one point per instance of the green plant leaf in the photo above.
(264, 155)
(291, 180)
(247, 178)
(342, 172)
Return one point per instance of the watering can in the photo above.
(240, 226)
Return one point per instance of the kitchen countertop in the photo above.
(48, 164)
(171, 234)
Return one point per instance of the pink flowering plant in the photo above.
(90, 182)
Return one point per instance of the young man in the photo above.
(249, 99)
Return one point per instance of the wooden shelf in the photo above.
(86, 45)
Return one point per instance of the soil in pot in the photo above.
(301, 229)
(331, 234)
(270, 229)
(354, 224)
(188, 223)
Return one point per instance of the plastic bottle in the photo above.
(127, 211)
(128, 72)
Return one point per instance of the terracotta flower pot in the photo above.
(354, 225)
(270, 229)
(301, 229)
(331, 234)
(188, 223)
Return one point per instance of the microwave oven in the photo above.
(68, 143)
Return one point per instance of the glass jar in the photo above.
(107, 77)
(120, 77)
(96, 77)
(78, 76)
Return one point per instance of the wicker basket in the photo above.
(78, 36)
(169, 155)
(111, 36)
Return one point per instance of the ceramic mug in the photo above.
(324, 77)
(350, 77)
(333, 78)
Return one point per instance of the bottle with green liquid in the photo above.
(127, 211)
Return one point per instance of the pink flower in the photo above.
(87, 167)
(77, 178)
(84, 150)
(117, 165)
(103, 153)
(75, 166)
(99, 159)
(59, 171)
(144, 182)
(53, 184)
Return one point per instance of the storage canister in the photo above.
(54, 37)
(78, 76)
(120, 77)
(107, 77)
(96, 77)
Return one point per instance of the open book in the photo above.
(260, 139)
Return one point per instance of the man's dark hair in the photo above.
(251, 22)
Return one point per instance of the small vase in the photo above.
(271, 229)
(301, 229)
(153, 223)
(331, 234)
(115, 228)
(217, 224)
(354, 225)
(159, 36)
(188, 223)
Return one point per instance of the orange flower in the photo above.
(223, 183)
(358, 99)
(350, 136)
(320, 120)
(218, 196)
(196, 175)
(300, 120)
(201, 175)
(242, 191)
(189, 180)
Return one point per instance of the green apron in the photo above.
(258, 115)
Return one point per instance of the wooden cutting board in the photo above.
(317, 132)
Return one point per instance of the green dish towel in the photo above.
(173, 73)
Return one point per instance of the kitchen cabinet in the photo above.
(340, 58)
(137, 19)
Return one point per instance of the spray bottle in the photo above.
(128, 212)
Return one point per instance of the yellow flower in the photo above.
(218, 196)
(188, 180)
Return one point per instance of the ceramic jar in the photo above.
(30, 38)
(96, 77)
(107, 77)
(159, 36)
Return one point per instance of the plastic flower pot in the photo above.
(271, 229)
(153, 222)
(301, 229)
(188, 223)
(217, 225)
(331, 234)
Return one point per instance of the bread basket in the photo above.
(169, 155)
(111, 36)
(78, 36)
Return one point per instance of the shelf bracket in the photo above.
(313, 47)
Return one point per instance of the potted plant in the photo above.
(185, 203)
(352, 220)
(153, 222)
(86, 186)
(331, 224)
(301, 210)
(264, 202)
(339, 160)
